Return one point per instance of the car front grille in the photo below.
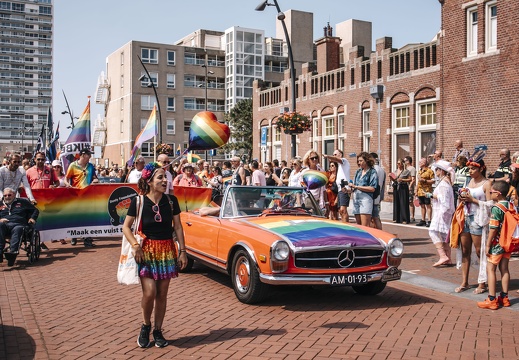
(329, 259)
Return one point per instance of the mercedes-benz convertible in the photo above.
(264, 236)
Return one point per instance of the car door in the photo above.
(201, 236)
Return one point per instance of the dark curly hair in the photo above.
(367, 158)
(148, 173)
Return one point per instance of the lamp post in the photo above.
(71, 118)
(377, 92)
(281, 17)
(207, 71)
(151, 84)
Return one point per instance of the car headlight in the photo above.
(280, 251)
(396, 247)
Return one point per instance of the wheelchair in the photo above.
(29, 242)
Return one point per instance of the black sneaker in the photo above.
(421, 223)
(427, 224)
(144, 337)
(160, 342)
(88, 242)
(73, 241)
(1, 257)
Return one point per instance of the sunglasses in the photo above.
(56, 166)
(314, 158)
(40, 159)
(156, 210)
(8, 195)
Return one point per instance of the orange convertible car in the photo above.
(265, 236)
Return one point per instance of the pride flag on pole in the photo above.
(78, 139)
(149, 131)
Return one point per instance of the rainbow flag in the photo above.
(178, 150)
(193, 158)
(148, 132)
(78, 139)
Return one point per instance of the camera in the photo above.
(344, 183)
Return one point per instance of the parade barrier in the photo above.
(98, 210)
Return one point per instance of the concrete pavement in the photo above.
(69, 306)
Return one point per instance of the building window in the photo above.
(170, 126)
(427, 114)
(401, 117)
(147, 102)
(147, 149)
(329, 126)
(171, 104)
(171, 58)
(472, 31)
(277, 134)
(149, 56)
(366, 132)
(400, 145)
(340, 125)
(426, 129)
(491, 26)
(171, 81)
(145, 82)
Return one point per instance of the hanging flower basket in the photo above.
(163, 149)
(293, 123)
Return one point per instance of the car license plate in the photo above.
(348, 279)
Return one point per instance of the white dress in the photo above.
(442, 212)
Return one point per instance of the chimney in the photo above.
(328, 51)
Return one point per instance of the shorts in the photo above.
(362, 203)
(376, 211)
(160, 260)
(496, 259)
(344, 199)
(471, 227)
(424, 200)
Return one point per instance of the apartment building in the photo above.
(26, 28)
(205, 69)
(461, 85)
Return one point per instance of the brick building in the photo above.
(462, 84)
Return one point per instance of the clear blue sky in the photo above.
(86, 32)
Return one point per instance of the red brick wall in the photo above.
(477, 99)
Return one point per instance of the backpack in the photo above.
(509, 238)
(376, 193)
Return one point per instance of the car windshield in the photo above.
(258, 200)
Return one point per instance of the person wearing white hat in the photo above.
(60, 175)
(443, 210)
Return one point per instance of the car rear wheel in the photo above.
(245, 279)
(372, 288)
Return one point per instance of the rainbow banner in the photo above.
(191, 198)
(98, 210)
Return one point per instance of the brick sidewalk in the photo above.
(69, 306)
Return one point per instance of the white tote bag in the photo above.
(128, 272)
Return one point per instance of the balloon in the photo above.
(314, 179)
(206, 133)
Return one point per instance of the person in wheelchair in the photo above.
(15, 215)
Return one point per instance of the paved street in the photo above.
(69, 306)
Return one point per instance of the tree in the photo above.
(239, 120)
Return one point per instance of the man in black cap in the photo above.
(80, 174)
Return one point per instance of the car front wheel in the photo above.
(245, 279)
(372, 288)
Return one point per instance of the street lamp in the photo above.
(206, 72)
(152, 85)
(377, 92)
(281, 17)
(71, 118)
